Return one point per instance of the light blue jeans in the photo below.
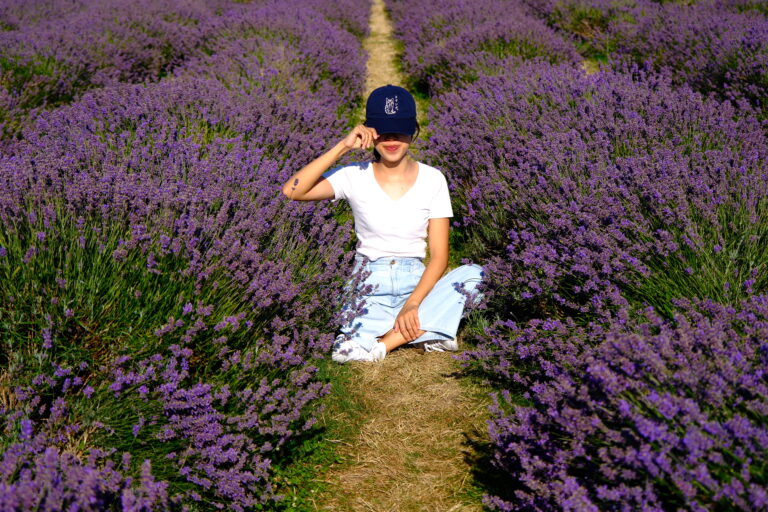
(393, 280)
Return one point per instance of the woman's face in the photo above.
(392, 146)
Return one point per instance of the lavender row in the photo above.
(447, 43)
(52, 60)
(714, 46)
(591, 197)
(593, 202)
(257, 48)
(604, 191)
(52, 53)
(162, 334)
(619, 187)
(649, 416)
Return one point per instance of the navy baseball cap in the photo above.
(391, 109)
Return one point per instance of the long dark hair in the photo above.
(377, 155)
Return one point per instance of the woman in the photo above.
(397, 202)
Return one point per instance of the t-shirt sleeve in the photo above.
(340, 181)
(441, 201)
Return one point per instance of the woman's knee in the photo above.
(472, 273)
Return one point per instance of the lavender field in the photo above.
(165, 313)
(158, 336)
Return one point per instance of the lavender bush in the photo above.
(743, 5)
(256, 48)
(18, 13)
(51, 478)
(711, 49)
(136, 360)
(589, 23)
(653, 417)
(158, 333)
(588, 194)
(348, 14)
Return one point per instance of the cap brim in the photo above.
(389, 125)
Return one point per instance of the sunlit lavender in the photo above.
(158, 337)
(164, 310)
(620, 217)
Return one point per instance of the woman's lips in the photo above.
(391, 148)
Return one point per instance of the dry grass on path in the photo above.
(381, 51)
(411, 453)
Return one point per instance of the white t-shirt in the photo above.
(388, 227)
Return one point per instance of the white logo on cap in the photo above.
(390, 106)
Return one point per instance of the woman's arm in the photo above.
(308, 184)
(407, 320)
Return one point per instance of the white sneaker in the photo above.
(345, 350)
(379, 352)
(450, 345)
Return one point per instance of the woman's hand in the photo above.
(361, 137)
(407, 322)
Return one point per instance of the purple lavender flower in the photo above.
(137, 427)
(26, 430)
(638, 412)
(47, 338)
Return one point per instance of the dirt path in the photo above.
(381, 51)
(411, 450)
(410, 453)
